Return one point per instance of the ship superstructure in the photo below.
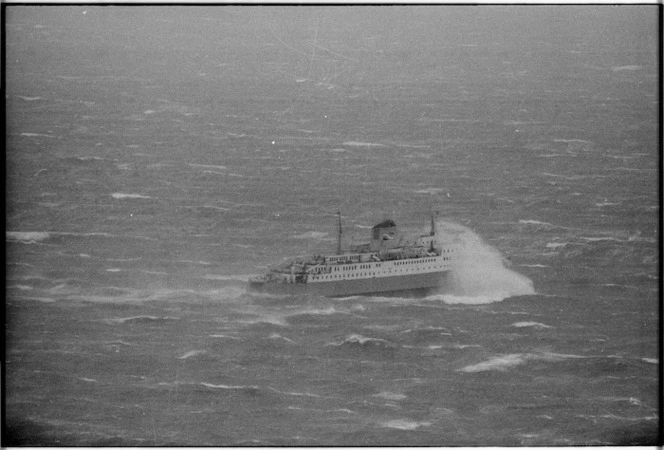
(391, 261)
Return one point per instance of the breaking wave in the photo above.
(120, 196)
(536, 325)
(27, 237)
(403, 424)
(480, 275)
(502, 363)
(226, 386)
(364, 344)
(191, 353)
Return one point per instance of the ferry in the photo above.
(391, 262)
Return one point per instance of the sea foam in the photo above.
(479, 275)
(120, 196)
(530, 324)
(191, 353)
(403, 424)
(28, 237)
(502, 363)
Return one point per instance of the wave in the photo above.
(430, 191)
(37, 135)
(359, 342)
(502, 363)
(120, 196)
(629, 68)
(403, 424)
(530, 324)
(243, 278)
(351, 297)
(207, 166)
(30, 99)
(255, 390)
(362, 144)
(265, 320)
(499, 363)
(140, 319)
(565, 177)
(27, 237)
(600, 239)
(342, 410)
(479, 274)
(20, 287)
(37, 299)
(358, 338)
(278, 336)
(191, 353)
(31, 237)
(318, 312)
(630, 400)
(391, 396)
(119, 342)
(535, 222)
(429, 329)
(226, 386)
(296, 394)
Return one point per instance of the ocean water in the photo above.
(157, 157)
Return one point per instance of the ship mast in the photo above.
(339, 236)
(433, 231)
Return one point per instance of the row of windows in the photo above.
(365, 274)
(354, 267)
(418, 261)
(326, 277)
(360, 267)
(398, 263)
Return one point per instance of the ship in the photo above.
(392, 262)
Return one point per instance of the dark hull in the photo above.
(412, 283)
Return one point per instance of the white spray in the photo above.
(479, 274)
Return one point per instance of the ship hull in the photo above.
(412, 283)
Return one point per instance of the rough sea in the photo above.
(158, 157)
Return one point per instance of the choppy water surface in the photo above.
(158, 157)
